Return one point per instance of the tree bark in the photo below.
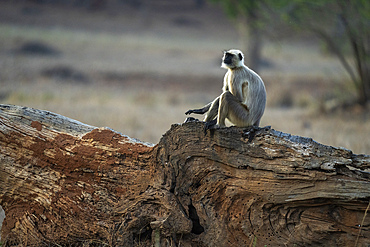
(66, 183)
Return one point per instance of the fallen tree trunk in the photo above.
(66, 183)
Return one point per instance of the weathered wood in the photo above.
(63, 182)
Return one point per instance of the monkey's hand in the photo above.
(210, 125)
(195, 111)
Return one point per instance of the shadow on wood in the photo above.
(66, 183)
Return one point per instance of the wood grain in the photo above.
(67, 183)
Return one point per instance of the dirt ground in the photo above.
(138, 69)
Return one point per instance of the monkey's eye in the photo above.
(228, 55)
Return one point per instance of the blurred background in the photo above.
(136, 66)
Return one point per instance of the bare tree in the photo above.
(351, 46)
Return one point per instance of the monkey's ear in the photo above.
(240, 56)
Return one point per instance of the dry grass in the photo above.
(139, 83)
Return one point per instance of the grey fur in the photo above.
(244, 95)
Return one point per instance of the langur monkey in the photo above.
(243, 99)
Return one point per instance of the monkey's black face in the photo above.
(232, 59)
(228, 58)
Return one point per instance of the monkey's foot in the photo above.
(251, 132)
(191, 119)
(210, 125)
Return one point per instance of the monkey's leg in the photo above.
(210, 118)
(199, 111)
(257, 123)
(212, 113)
(234, 110)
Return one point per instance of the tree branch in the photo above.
(66, 183)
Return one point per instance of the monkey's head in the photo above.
(232, 59)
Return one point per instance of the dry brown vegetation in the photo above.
(138, 72)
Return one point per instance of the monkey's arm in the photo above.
(242, 92)
(199, 111)
(226, 85)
